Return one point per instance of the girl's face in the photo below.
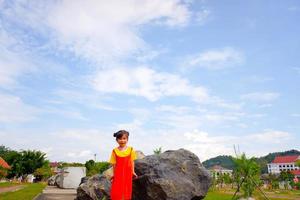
(123, 140)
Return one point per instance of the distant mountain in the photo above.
(227, 161)
(224, 161)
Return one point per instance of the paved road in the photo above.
(54, 193)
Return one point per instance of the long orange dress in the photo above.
(121, 188)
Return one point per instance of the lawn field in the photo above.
(7, 184)
(227, 194)
(27, 193)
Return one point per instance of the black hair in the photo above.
(120, 133)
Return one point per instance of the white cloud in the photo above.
(146, 82)
(14, 110)
(215, 59)
(221, 117)
(13, 63)
(295, 115)
(98, 30)
(261, 96)
(65, 144)
(202, 16)
(270, 136)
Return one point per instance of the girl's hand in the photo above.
(135, 175)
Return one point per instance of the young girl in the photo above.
(122, 159)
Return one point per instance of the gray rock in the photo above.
(51, 180)
(96, 187)
(172, 175)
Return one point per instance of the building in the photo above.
(296, 173)
(3, 167)
(4, 164)
(217, 170)
(283, 163)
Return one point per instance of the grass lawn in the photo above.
(27, 193)
(7, 184)
(272, 195)
(216, 195)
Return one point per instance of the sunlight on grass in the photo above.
(27, 193)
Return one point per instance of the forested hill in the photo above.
(227, 161)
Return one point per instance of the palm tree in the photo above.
(157, 151)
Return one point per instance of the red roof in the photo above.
(4, 164)
(285, 159)
(295, 172)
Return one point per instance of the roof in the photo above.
(295, 172)
(286, 159)
(4, 164)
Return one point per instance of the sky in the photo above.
(203, 75)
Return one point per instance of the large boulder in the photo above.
(96, 187)
(51, 180)
(172, 175)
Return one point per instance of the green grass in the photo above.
(27, 193)
(7, 184)
(279, 194)
(216, 195)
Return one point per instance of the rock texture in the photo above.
(96, 187)
(172, 175)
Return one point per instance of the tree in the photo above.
(298, 163)
(96, 167)
(24, 162)
(273, 180)
(247, 171)
(286, 177)
(44, 172)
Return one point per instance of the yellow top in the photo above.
(123, 153)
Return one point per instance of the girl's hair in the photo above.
(120, 133)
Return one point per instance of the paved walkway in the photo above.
(11, 188)
(54, 193)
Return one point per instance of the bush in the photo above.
(96, 167)
(43, 173)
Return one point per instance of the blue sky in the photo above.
(201, 75)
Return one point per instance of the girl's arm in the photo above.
(113, 170)
(133, 172)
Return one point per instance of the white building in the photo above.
(217, 170)
(283, 163)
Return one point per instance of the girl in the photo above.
(122, 159)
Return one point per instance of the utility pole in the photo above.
(95, 155)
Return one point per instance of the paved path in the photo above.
(54, 193)
(11, 188)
